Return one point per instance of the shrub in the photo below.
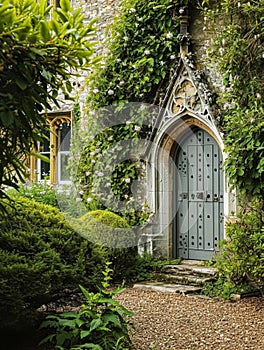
(111, 230)
(40, 255)
(101, 324)
(242, 253)
(40, 192)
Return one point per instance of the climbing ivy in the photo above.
(142, 48)
(238, 53)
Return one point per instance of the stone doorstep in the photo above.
(189, 269)
(167, 287)
(187, 279)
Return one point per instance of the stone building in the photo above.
(186, 187)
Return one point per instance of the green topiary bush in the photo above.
(109, 229)
(40, 255)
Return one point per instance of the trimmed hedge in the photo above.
(41, 255)
(114, 232)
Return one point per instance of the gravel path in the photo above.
(173, 321)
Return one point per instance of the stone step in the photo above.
(186, 279)
(168, 287)
(187, 269)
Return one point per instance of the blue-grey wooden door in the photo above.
(199, 197)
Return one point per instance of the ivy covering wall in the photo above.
(142, 48)
(239, 55)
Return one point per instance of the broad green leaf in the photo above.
(95, 324)
(40, 156)
(84, 333)
(65, 5)
(44, 31)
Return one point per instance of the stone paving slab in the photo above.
(167, 287)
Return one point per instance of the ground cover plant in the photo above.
(101, 324)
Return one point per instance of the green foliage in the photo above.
(40, 256)
(143, 45)
(141, 50)
(39, 192)
(35, 59)
(238, 53)
(224, 289)
(147, 264)
(109, 229)
(242, 253)
(102, 323)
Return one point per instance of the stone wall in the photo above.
(105, 10)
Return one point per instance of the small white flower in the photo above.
(100, 174)
(128, 180)
(95, 90)
(93, 160)
(92, 153)
(162, 63)
(118, 60)
(169, 35)
(258, 95)
(221, 51)
(89, 199)
(137, 128)
(238, 4)
(126, 196)
(111, 92)
(128, 122)
(147, 52)
(126, 38)
(87, 173)
(132, 10)
(122, 82)
(81, 192)
(172, 57)
(108, 184)
(97, 150)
